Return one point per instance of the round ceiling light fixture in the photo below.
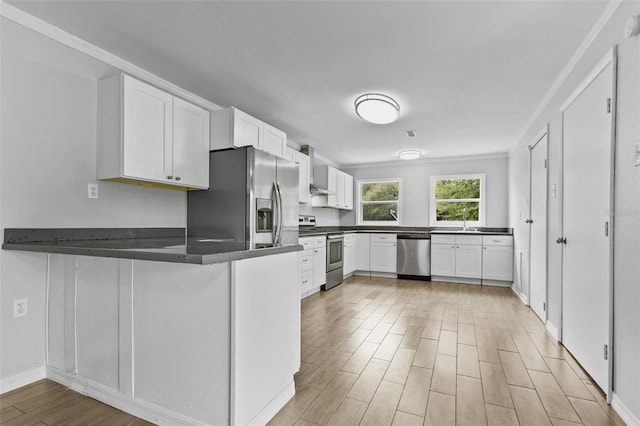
(377, 108)
(410, 154)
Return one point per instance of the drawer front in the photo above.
(349, 238)
(305, 260)
(497, 240)
(384, 238)
(319, 242)
(306, 243)
(443, 239)
(306, 281)
(469, 240)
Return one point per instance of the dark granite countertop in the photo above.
(158, 244)
(413, 232)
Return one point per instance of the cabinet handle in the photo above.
(169, 177)
(177, 177)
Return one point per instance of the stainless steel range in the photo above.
(335, 260)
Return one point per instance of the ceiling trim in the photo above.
(602, 20)
(54, 33)
(428, 161)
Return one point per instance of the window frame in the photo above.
(360, 210)
(482, 200)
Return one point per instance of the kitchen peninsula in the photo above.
(172, 329)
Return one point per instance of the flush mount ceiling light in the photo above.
(410, 154)
(377, 108)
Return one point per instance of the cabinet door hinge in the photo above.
(606, 351)
(544, 306)
(608, 105)
(545, 163)
(606, 229)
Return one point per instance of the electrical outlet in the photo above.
(93, 190)
(20, 308)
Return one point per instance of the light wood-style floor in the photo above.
(49, 403)
(381, 351)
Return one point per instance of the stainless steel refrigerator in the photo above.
(252, 198)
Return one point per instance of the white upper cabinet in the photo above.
(231, 127)
(340, 186)
(146, 135)
(303, 172)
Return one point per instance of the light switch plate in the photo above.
(637, 152)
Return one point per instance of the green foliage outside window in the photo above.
(379, 201)
(453, 196)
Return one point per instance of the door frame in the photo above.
(610, 58)
(544, 133)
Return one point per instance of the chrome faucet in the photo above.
(464, 219)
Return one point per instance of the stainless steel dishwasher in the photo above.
(414, 256)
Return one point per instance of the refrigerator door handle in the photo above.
(280, 212)
(276, 214)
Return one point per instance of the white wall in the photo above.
(626, 383)
(415, 187)
(48, 143)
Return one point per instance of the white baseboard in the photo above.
(22, 379)
(383, 275)
(552, 329)
(268, 412)
(457, 280)
(522, 297)
(136, 407)
(623, 411)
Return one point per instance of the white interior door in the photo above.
(587, 201)
(538, 227)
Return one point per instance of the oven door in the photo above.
(335, 252)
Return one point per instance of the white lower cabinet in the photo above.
(349, 266)
(475, 258)
(497, 258)
(362, 249)
(312, 265)
(382, 254)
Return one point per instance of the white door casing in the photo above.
(538, 236)
(587, 276)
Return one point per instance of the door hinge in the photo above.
(545, 163)
(544, 306)
(606, 351)
(606, 229)
(609, 105)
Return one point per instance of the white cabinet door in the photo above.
(190, 144)
(469, 261)
(247, 130)
(348, 192)
(349, 254)
(303, 172)
(443, 260)
(147, 132)
(332, 186)
(362, 252)
(274, 141)
(319, 266)
(497, 263)
(383, 257)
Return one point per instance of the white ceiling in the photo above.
(468, 74)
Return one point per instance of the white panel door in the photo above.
(319, 266)
(190, 144)
(538, 228)
(147, 131)
(362, 252)
(587, 142)
(443, 260)
(497, 263)
(383, 257)
(469, 261)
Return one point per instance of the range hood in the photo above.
(313, 188)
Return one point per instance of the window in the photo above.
(379, 202)
(456, 198)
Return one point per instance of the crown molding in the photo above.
(46, 29)
(431, 160)
(607, 12)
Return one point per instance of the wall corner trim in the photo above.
(23, 379)
(40, 26)
(623, 411)
(522, 296)
(602, 20)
